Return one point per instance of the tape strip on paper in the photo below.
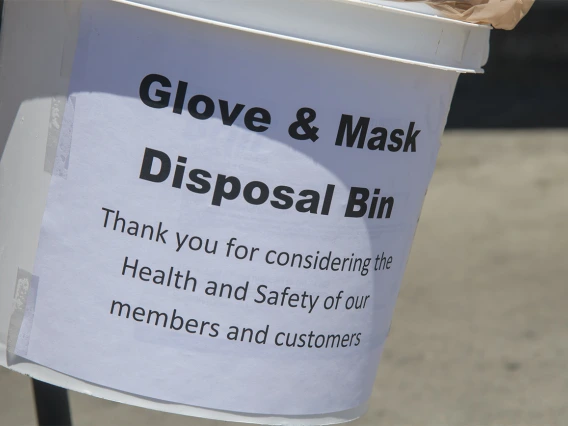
(55, 122)
(61, 117)
(59, 136)
(21, 321)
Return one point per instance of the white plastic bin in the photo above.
(114, 111)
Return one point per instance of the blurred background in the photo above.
(526, 79)
(480, 334)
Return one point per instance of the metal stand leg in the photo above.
(52, 405)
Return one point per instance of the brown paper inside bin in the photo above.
(503, 14)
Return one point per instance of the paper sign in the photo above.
(230, 214)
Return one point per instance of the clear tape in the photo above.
(60, 118)
(55, 122)
(21, 321)
(59, 136)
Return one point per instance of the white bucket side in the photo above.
(24, 183)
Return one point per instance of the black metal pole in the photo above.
(52, 405)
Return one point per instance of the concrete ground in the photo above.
(480, 334)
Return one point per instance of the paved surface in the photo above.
(480, 335)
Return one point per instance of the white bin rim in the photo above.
(401, 32)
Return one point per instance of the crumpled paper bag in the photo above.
(503, 14)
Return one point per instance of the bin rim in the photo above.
(352, 26)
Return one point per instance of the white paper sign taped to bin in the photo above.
(232, 216)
